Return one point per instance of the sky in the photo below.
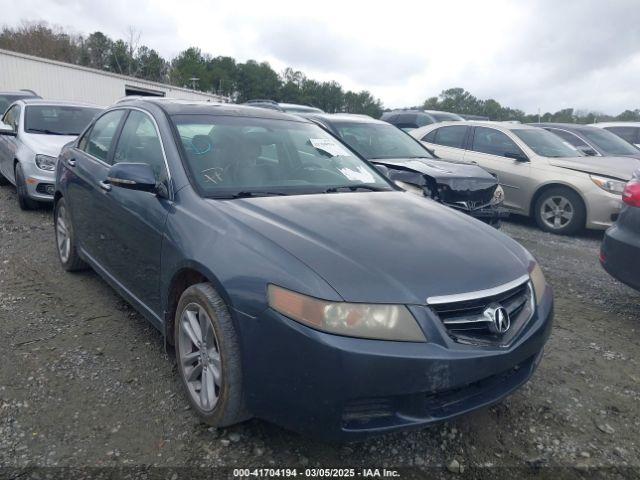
(533, 54)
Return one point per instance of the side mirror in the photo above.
(382, 169)
(133, 176)
(7, 130)
(590, 152)
(517, 156)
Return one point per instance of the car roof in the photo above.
(343, 118)
(616, 124)
(565, 126)
(21, 93)
(57, 103)
(481, 123)
(199, 107)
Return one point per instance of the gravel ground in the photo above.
(85, 380)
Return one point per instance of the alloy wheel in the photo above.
(200, 356)
(557, 212)
(63, 236)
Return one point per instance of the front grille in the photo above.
(465, 199)
(466, 323)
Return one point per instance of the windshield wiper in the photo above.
(48, 132)
(355, 188)
(256, 193)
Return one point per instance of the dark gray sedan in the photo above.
(592, 141)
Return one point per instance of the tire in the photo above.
(66, 247)
(24, 201)
(560, 210)
(198, 305)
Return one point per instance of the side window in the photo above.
(12, 117)
(627, 133)
(569, 137)
(139, 143)
(494, 142)
(451, 136)
(100, 137)
(430, 137)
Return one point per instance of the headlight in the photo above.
(498, 196)
(538, 281)
(410, 188)
(611, 186)
(45, 162)
(382, 322)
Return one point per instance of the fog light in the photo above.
(50, 189)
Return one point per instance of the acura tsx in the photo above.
(297, 283)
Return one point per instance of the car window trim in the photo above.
(88, 131)
(470, 149)
(157, 129)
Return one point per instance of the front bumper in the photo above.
(603, 209)
(620, 255)
(40, 183)
(342, 388)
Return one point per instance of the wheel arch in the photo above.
(547, 186)
(190, 273)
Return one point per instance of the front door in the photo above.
(494, 151)
(134, 220)
(9, 144)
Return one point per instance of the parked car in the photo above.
(297, 283)
(32, 132)
(411, 166)
(629, 131)
(283, 107)
(407, 119)
(542, 176)
(620, 251)
(592, 141)
(7, 98)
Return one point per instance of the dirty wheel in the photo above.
(208, 355)
(24, 201)
(65, 241)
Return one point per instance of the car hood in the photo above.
(617, 167)
(458, 176)
(384, 247)
(47, 144)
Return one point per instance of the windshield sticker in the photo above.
(361, 174)
(329, 146)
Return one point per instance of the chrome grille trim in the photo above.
(478, 294)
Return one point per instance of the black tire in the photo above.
(24, 201)
(559, 224)
(71, 262)
(229, 408)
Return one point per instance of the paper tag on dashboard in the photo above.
(327, 145)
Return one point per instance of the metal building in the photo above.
(64, 81)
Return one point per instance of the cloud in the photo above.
(539, 54)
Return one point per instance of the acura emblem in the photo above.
(498, 318)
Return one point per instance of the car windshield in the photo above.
(444, 117)
(380, 141)
(230, 157)
(547, 144)
(608, 142)
(57, 119)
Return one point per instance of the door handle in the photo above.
(71, 162)
(106, 186)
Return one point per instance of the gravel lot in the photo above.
(85, 381)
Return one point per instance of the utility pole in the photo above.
(538, 114)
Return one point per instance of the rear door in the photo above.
(87, 168)
(8, 143)
(489, 149)
(448, 142)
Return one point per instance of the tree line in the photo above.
(462, 102)
(249, 80)
(191, 68)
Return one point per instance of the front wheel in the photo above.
(208, 355)
(24, 201)
(560, 210)
(65, 239)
